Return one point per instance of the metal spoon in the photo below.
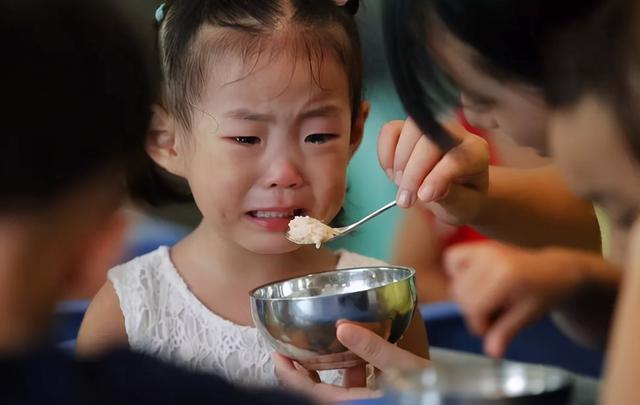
(335, 233)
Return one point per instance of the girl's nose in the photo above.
(283, 174)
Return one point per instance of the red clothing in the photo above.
(466, 234)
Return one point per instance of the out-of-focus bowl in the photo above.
(299, 316)
(480, 383)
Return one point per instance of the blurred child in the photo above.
(261, 112)
(78, 95)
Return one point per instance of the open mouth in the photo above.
(277, 214)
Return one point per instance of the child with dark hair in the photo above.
(77, 96)
(261, 111)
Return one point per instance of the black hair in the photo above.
(600, 55)
(243, 26)
(510, 39)
(76, 97)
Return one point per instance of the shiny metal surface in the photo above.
(486, 383)
(299, 316)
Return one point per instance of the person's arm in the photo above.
(586, 314)
(418, 245)
(501, 289)
(530, 207)
(536, 208)
(623, 359)
(103, 327)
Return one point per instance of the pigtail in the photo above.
(147, 183)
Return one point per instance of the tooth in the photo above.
(272, 214)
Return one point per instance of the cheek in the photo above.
(328, 180)
(219, 179)
(524, 128)
(567, 156)
(619, 242)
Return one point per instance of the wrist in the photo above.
(571, 267)
(488, 201)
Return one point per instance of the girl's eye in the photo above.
(247, 140)
(320, 138)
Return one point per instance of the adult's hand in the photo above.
(453, 185)
(363, 343)
(502, 289)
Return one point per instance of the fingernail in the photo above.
(426, 193)
(404, 198)
(398, 177)
(389, 174)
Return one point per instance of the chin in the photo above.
(270, 245)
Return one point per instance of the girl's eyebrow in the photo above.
(247, 115)
(322, 111)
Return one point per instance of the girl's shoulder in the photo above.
(146, 289)
(153, 262)
(143, 275)
(349, 259)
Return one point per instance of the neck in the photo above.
(203, 248)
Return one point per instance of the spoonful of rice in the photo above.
(310, 231)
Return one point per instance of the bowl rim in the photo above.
(565, 379)
(252, 293)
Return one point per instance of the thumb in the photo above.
(377, 351)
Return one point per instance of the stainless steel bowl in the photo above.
(480, 383)
(299, 316)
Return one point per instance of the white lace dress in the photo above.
(163, 318)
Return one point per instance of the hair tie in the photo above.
(160, 13)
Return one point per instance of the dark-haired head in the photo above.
(593, 71)
(76, 92)
(491, 51)
(608, 34)
(75, 111)
(197, 38)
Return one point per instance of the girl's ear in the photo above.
(357, 130)
(162, 143)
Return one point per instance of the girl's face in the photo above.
(270, 140)
(589, 145)
(500, 107)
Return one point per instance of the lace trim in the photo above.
(165, 319)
